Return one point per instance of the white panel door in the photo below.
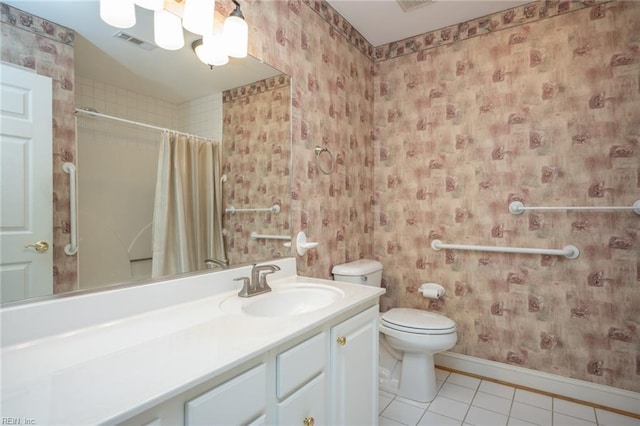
(26, 192)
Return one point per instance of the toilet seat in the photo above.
(416, 321)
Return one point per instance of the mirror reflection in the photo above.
(117, 162)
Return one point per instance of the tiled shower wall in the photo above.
(117, 165)
(115, 156)
(546, 113)
(202, 116)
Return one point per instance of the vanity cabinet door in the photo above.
(306, 406)
(238, 401)
(354, 368)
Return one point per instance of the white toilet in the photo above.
(413, 335)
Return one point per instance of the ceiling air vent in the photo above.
(409, 5)
(133, 40)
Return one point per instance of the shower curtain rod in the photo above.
(95, 113)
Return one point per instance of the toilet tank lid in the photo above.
(357, 267)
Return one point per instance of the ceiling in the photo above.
(178, 76)
(384, 21)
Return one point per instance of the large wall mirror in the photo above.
(244, 104)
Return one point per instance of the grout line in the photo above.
(424, 413)
(475, 392)
(541, 392)
(513, 398)
(509, 414)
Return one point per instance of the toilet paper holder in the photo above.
(432, 290)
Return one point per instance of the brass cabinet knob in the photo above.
(308, 421)
(40, 246)
(342, 340)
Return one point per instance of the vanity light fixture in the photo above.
(196, 16)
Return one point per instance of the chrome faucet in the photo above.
(258, 282)
(221, 263)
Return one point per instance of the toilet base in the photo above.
(419, 374)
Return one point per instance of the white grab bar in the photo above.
(273, 209)
(256, 236)
(570, 252)
(72, 248)
(516, 207)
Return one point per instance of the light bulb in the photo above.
(212, 51)
(198, 16)
(118, 13)
(236, 36)
(167, 30)
(150, 4)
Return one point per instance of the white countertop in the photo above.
(110, 371)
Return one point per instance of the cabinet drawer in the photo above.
(299, 364)
(307, 402)
(238, 401)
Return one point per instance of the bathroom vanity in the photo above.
(188, 351)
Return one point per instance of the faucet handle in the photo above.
(263, 276)
(244, 292)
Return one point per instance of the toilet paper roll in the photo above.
(431, 290)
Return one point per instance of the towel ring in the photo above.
(318, 151)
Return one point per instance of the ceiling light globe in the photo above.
(212, 51)
(198, 16)
(167, 30)
(236, 36)
(118, 13)
(150, 4)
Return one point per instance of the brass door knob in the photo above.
(40, 246)
(342, 340)
(308, 421)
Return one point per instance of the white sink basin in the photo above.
(284, 301)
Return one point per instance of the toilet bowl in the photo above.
(418, 335)
(411, 336)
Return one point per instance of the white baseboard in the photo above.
(593, 393)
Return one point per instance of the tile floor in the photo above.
(464, 400)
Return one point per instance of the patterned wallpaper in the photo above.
(47, 48)
(257, 162)
(434, 142)
(547, 113)
(332, 107)
(538, 108)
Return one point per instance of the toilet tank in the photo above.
(363, 271)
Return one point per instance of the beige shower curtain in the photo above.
(187, 217)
